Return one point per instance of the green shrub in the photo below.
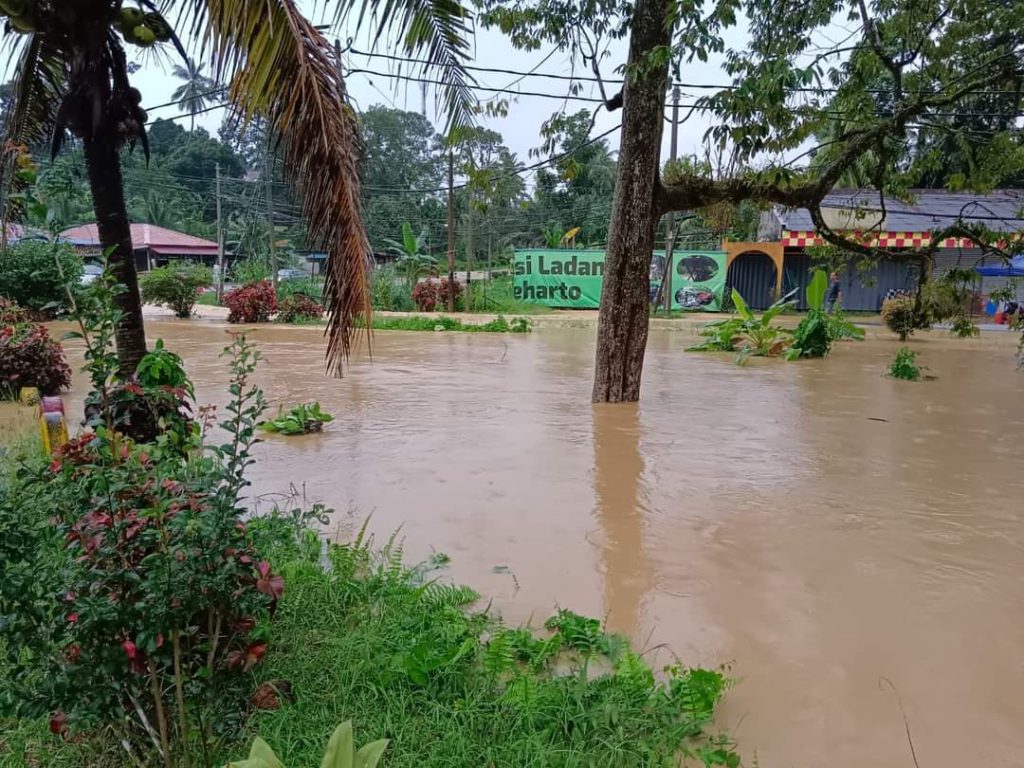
(31, 274)
(904, 366)
(30, 357)
(389, 291)
(297, 308)
(251, 270)
(308, 287)
(175, 286)
(939, 300)
(899, 316)
(963, 328)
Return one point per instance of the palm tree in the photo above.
(196, 92)
(72, 75)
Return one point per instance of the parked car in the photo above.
(90, 274)
(292, 274)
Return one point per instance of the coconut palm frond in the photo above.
(38, 86)
(281, 68)
(436, 31)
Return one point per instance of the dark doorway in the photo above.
(753, 275)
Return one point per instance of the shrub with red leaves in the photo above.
(30, 357)
(252, 303)
(298, 308)
(429, 294)
(12, 314)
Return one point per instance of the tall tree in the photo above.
(930, 57)
(196, 91)
(72, 75)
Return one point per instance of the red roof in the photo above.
(158, 239)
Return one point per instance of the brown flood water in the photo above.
(819, 526)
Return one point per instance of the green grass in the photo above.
(408, 658)
(443, 323)
(495, 296)
(208, 299)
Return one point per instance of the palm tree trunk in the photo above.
(623, 321)
(103, 165)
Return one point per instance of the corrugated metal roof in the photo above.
(144, 236)
(932, 209)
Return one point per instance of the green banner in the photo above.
(571, 279)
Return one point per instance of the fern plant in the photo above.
(341, 752)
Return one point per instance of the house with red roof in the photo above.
(153, 246)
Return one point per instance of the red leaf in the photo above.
(58, 723)
(130, 649)
(72, 617)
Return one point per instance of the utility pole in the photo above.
(268, 166)
(670, 219)
(220, 244)
(451, 229)
(423, 94)
(469, 249)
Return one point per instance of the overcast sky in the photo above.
(520, 129)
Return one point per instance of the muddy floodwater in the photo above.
(831, 533)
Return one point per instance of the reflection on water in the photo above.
(816, 524)
(620, 513)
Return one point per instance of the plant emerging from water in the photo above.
(747, 333)
(904, 365)
(819, 329)
(300, 420)
(900, 316)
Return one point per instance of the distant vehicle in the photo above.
(292, 274)
(90, 274)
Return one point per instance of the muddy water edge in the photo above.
(831, 533)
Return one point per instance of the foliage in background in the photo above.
(30, 357)
(962, 327)
(309, 287)
(33, 274)
(297, 308)
(340, 753)
(175, 286)
(300, 420)
(747, 333)
(903, 366)
(252, 303)
(12, 314)
(250, 270)
(900, 316)
(818, 329)
(389, 291)
(429, 294)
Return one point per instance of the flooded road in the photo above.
(822, 528)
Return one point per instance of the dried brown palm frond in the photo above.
(282, 68)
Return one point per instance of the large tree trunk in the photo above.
(103, 164)
(622, 326)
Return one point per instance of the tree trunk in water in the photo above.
(622, 325)
(103, 164)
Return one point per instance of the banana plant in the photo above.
(341, 752)
(747, 333)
